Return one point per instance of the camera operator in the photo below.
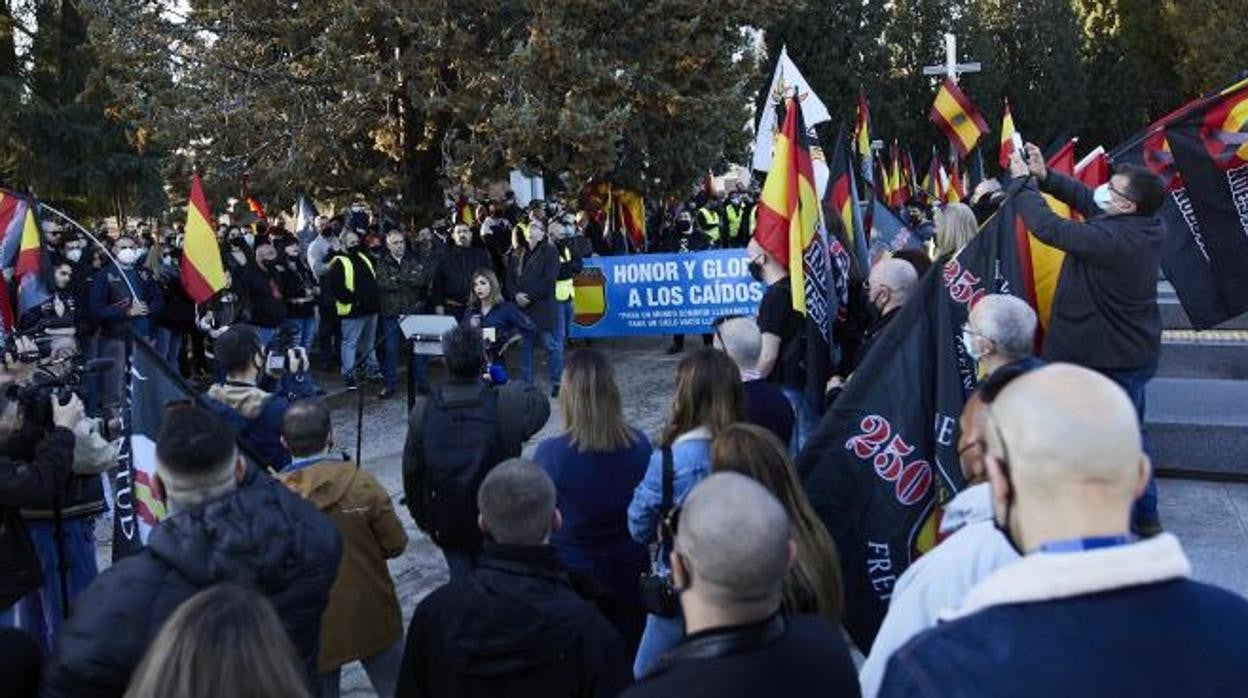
(255, 413)
(46, 555)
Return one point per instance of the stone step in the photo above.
(1173, 317)
(1209, 354)
(1198, 427)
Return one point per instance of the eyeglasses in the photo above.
(1112, 190)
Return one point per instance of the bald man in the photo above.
(1089, 610)
(732, 551)
(889, 285)
(765, 404)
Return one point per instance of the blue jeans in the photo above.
(382, 669)
(359, 333)
(39, 612)
(266, 335)
(563, 322)
(805, 421)
(659, 637)
(169, 346)
(396, 346)
(303, 329)
(1134, 381)
(554, 355)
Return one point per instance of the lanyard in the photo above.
(1076, 545)
(301, 463)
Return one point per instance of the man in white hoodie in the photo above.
(972, 547)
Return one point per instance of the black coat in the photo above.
(1104, 312)
(534, 272)
(519, 625)
(452, 282)
(365, 297)
(33, 482)
(800, 656)
(261, 536)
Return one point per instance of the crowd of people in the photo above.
(609, 561)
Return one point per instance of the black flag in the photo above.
(1201, 152)
(884, 457)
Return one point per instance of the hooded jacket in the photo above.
(260, 536)
(519, 625)
(256, 416)
(363, 616)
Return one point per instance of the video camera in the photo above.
(61, 379)
(283, 356)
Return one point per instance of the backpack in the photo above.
(462, 443)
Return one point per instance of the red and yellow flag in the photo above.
(955, 193)
(788, 214)
(954, 113)
(202, 272)
(1043, 262)
(29, 249)
(1007, 138)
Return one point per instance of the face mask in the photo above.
(128, 256)
(683, 226)
(249, 239)
(353, 247)
(1102, 198)
(73, 255)
(968, 343)
(1003, 525)
(167, 260)
(755, 268)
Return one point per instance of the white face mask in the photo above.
(249, 239)
(968, 343)
(128, 256)
(73, 254)
(1102, 198)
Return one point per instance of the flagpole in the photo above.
(92, 238)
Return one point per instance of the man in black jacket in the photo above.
(351, 281)
(731, 554)
(442, 465)
(531, 275)
(34, 472)
(452, 282)
(1104, 314)
(520, 624)
(226, 523)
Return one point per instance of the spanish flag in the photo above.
(841, 203)
(1042, 265)
(202, 273)
(955, 193)
(958, 118)
(29, 248)
(1007, 138)
(862, 139)
(788, 214)
(630, 210)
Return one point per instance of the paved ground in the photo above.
(1210, 518)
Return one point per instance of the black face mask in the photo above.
(684, 227)
(755, 268)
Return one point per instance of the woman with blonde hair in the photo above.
(223, 641)
(814, 582)
(708, 398)
(955, 228)
(501, 322)
(595, 464)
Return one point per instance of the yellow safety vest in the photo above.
(710, 223)
(734, 220)
(348, 279)
(564, 288)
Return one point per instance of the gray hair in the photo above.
(1008, 322)
(742, 341)
(517, 502)
(736, 536)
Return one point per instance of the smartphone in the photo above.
(489, 334)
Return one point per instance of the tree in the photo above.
(366, 98)
(1033, 59)
(1212, 41)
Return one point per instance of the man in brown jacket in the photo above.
(362, 621)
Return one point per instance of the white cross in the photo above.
(951, 68)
